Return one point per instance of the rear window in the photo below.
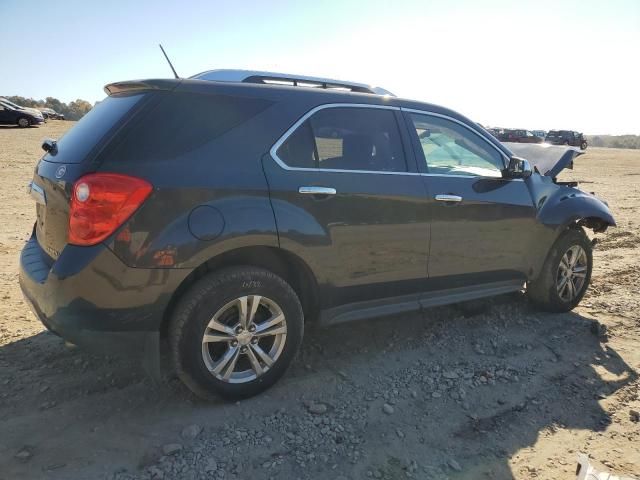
(76, 144)
(182, 122)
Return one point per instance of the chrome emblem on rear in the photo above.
(61, 171)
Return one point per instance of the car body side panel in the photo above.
(490, 230)
(370, 240)
(224, 175)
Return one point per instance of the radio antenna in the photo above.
(168, 61)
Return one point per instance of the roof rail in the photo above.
(273, 78)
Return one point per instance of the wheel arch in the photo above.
(580, 210)
(283, 263)
(564, 213)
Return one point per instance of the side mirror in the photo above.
(50, 146)
(518, 168)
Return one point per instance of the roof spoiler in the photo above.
(133, 86)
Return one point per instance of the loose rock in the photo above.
(317, 408)
(211, 465)
(24, 455)
(454, 465)
(171, 448)
(191, 431)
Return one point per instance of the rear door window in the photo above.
(346, 138)
(76, 144)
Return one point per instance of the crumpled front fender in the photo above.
(569, 206)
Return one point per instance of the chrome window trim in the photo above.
(468, 127)
(301, 120)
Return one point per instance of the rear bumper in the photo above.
(91, 299)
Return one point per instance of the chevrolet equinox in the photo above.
(219, 214)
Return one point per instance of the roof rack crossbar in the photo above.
(248, 76)
(264, 79)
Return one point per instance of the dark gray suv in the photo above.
(220, 214)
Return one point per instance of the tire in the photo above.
(583, 146)
(215, 300)
(551, 291)
(566, 142)
(23, 122)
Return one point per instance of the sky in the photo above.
(558, 64)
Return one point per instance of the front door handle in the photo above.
(448, 198)
(317, 190)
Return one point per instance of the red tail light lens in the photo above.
(100, 203)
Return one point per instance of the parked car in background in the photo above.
(52, 114)
(496, 132)
(539, 133)
(517, 135)
(566, 137)
(36, 114)
(12, 114)
(286, 200)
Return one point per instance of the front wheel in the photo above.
(23, 122)
(566, 273)
(583, 145)
(236, 332)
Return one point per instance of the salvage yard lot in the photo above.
(500, 393)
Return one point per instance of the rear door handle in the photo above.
(448, 198)
(317, 190)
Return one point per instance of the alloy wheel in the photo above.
(572, 273)
(244, 339)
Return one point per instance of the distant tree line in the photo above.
(74, 110)
(614, 141)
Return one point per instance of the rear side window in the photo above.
(76, 144)
(182, 121)
(300, 148)
(346, 138)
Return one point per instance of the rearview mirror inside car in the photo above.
(518, 168)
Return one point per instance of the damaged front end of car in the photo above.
(561, 204)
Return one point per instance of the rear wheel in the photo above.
(566, 273)
(235, 332)
(23, 122)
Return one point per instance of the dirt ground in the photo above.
(501, 393)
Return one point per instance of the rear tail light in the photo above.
(100, 203)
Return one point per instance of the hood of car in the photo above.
(32, 111)
(548, 160)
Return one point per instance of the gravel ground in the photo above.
(493, 390)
